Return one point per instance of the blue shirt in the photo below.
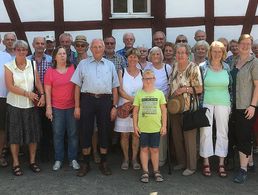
(98, 77)
(4, 58)
(42, 66)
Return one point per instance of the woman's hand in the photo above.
(249, 112)
(163, 131)
(32, 96)
(41, 102)
(179, 91)
(49, 114)
(137, 131)
(77, 113)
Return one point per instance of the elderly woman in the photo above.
(224, 41)
(143, 57)
(130, 82)
(245, 99)
(185, 76)
(60, 107)
(217, 83)
(23, 126)
(162, 72)
(200, 51)
(81, 46)
(168, 52)
(233, 48)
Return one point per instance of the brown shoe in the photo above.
(85, 168)
(105, 170)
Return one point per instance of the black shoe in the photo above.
(240, 177)
(84, 169)
(105, 170)
(251, 169)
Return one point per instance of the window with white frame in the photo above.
(130, 8)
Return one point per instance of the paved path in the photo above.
(120, 183)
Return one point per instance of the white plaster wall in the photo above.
(82, 10)
(4, 18)
(142, 37)
(35, 10)
(229, 32)
(256, 13)
(184, 8)
(254, 32)
(230, 7)
(189, 32)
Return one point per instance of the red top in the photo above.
(62, 89)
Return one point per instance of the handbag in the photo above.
(124, 110)
(34, 86)
(176, 104)
(193, 119)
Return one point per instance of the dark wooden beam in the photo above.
(132, 23)
(158, 11)
(181, 22)
(106, 24)
(59, 18)
(209, 20)
(17, 25)
(229, 20)
(249, 17)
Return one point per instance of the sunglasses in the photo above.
(181, 41)
(80, 45)
(109, 43)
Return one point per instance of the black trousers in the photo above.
(100, 108)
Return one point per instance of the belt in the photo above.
(96, 95)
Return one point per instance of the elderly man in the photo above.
(66, 41)
(9, 39)
(95, 96)
(200, 35)
(50, 44)
(117, 59)
(128, 39)
(159, 39)
(43, 62)
(4, 58)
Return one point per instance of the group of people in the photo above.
(71, 93)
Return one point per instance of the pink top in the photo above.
(62, 89)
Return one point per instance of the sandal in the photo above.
(136, 165)
(145, 177)
(158, 176)
(206, 171)
(3, 162)
(35, 168)
(5, 152)
(17, 171)
(222, 172)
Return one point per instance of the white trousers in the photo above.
(221, 114)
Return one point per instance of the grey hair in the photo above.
(128, 33)
(153, 50)
(21, 43)
(66, 35)
(201, 43)
(186, 46)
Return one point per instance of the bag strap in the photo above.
(34, 80)
(166, 71)
(192, 97)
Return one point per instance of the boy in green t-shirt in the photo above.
(150, 121)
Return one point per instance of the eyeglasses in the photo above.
(21, 49)
(181, 41)
(148, 79)
(109, 43)
(143, 50)
(80, 45)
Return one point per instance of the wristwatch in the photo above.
(114, 106)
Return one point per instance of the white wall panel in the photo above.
(254, 32)
(230, 7)
(142, 37)
(172, 33)
(82, 10)
(4, 18)
(35, 10)
(229, 32)
(184, 8)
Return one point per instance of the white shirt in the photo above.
(4, 58)
(23, 79)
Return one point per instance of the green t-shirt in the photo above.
(149, 117)
(216, 88)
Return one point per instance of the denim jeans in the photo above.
(63, 120)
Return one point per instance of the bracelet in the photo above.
(187, 89)
(253, 106)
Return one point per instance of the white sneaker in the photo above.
(75, 165)
(57, 165)
(188, 172)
